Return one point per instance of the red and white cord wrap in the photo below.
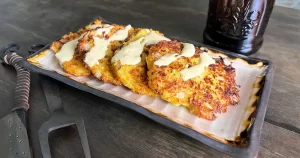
(23, 82)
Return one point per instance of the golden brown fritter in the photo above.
(102, 70)
(166, 80)
(75, 65)
(215, 91)
(56, 45)
(204, 95)
(134, 77)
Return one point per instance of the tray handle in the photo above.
(35, 47)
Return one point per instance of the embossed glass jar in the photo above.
(237, 25)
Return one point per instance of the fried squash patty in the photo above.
(75, 65)
(134, 77)
(204, 95)
(102, 70)
(166, 80)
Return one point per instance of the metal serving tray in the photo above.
(249, 147)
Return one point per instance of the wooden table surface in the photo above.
(114, 131)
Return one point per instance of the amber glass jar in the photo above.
(237, 25)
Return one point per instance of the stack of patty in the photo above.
(148, 63)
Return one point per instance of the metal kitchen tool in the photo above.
(13, 134)
(59, 119)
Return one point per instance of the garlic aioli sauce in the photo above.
(187, 51)
(121, 34)
(98, 52)
(197, 70)
(67, 50)
(166, 59)
(131, 54)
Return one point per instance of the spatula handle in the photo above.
(21, 96)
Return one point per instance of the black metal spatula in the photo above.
(13, 134)
(59, 119)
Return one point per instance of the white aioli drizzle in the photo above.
(166, 59)
(131, 54)
(197, 70)
(98, 52)
(67, 51)
(187, 51)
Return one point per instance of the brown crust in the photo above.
(205, 95)
(166, 80)
(75, 65)
(218, 89)
(56, 45)
(135, 77)
(104, 66)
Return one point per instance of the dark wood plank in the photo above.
(115, 131)
(279, 142)
(281, 45)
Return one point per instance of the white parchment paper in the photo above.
(227, 126)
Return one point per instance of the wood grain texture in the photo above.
(115, 131)
(289, 3)
(281, 45)
(279, 142)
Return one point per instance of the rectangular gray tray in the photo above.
(250, 150)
